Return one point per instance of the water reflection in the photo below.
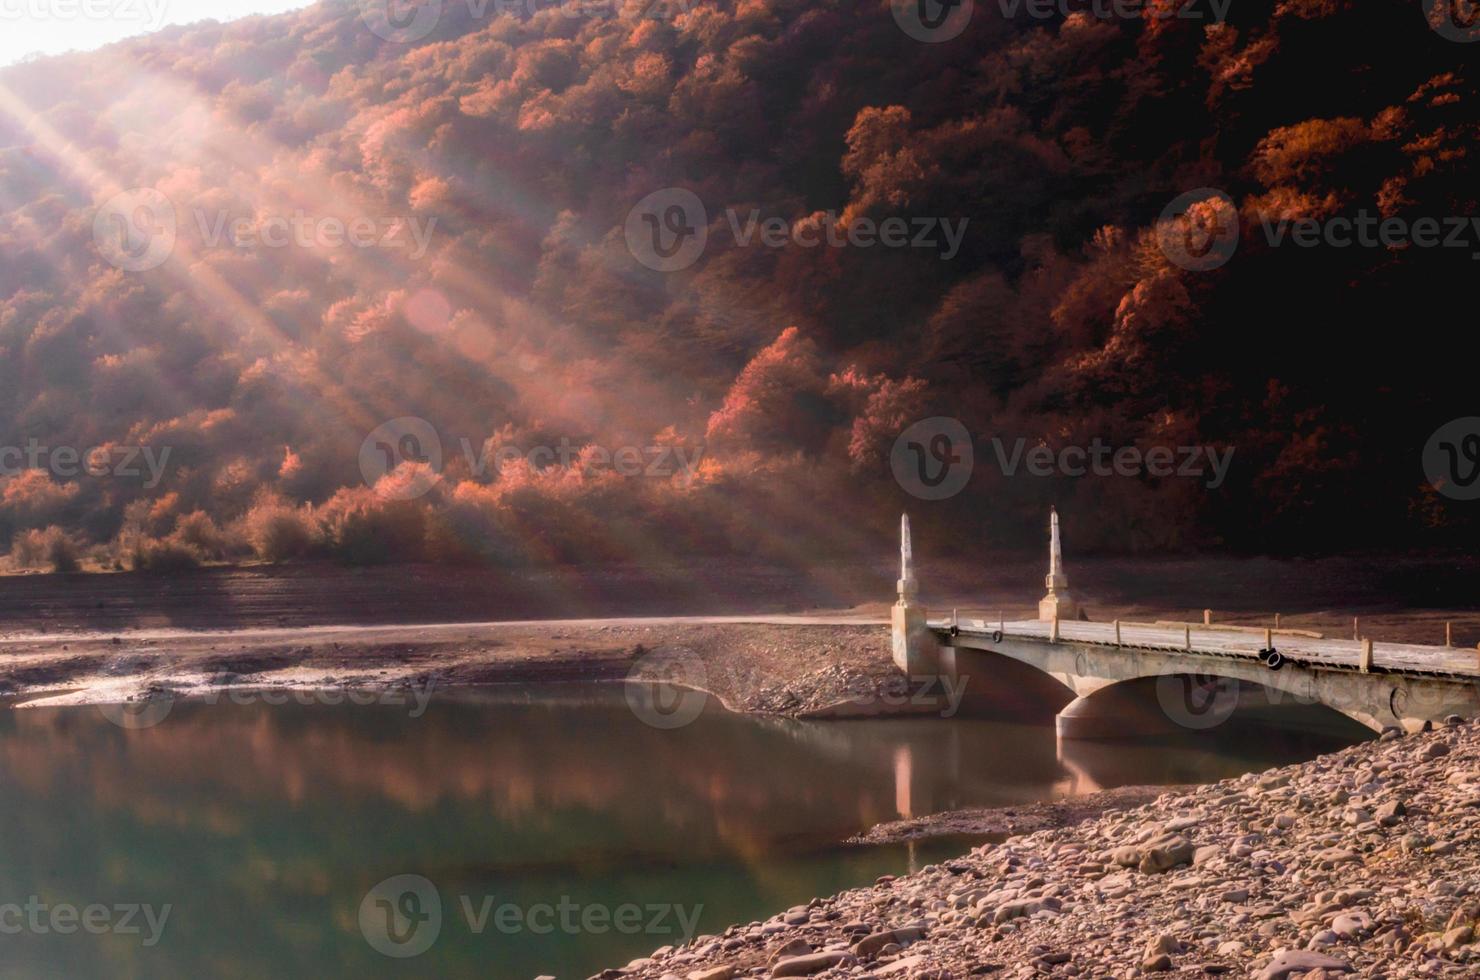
(263, 827)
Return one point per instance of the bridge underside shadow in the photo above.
(1173, 704)
(995, 686)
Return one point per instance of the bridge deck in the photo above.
(1407, 658)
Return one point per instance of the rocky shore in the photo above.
(1364, 862)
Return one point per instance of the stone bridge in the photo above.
(1134, 678)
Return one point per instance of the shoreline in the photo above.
(1362, 862)
(761, 665)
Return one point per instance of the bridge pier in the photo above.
(1097, 718)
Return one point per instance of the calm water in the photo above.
(264, 827)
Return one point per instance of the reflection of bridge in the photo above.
(1121, 673)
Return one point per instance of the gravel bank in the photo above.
(1364, 862)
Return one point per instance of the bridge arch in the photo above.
(1374, 699)
(1179, 701)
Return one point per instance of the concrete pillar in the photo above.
(1118, 712)
(1057, 604)
(1110, 716)
(914, 647)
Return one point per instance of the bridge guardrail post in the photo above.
(1365, 658)
(1053, 632)
(1117, 634)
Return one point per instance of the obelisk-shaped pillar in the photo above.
(1057, 604)
(913, 646)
